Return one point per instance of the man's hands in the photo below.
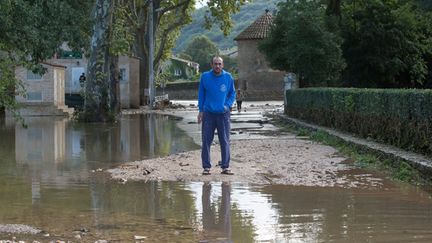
(200, 116)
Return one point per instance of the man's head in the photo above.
(217, 65)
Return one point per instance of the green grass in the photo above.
(363, 158)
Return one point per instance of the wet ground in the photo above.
(49, 180)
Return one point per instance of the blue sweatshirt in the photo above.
(216, 94)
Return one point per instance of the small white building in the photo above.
(44, 93)
(128, 80)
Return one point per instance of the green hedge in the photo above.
(401, 117)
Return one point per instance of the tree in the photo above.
(32, 31)
(299, 42)
(386, 43)
(333, 7)
(169, 17)
(230, 64)
(101, 88)
(119, 21)
(37, 29)
(426, 4)
(201, 49)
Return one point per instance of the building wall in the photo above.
(44, 94)
(259, 81)
(41, 90)
(59, 84)
(129, 88)
(75, 67)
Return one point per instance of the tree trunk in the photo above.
(141, 51)
(101, 103)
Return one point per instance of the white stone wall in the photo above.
(59, 86)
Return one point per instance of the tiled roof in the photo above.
(258, 29)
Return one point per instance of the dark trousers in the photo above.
(210, 122)
(239, 103)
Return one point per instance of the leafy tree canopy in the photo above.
(300, 42)
(201, 49)
(386, 43)
(32, 31)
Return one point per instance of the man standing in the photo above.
(82, 79)
(215, 97)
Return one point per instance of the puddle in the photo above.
(46, 183)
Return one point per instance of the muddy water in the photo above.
(47, 181)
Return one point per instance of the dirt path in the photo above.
(281, 159)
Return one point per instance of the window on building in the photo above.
(177, 72)
(33, 76)
(122, 75)
(34, 96)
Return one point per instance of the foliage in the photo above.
(169, 17)
(174, 65)
(161, 79)
(398, 117)
(247, 14)
(230, 64)
(300, 42)
(9, 85)
(32, 31)
(122, 36)
(426, 4)
(184, 56)
(386, 43)
(216, 13)
(201, 49)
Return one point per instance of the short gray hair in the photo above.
(216, 57)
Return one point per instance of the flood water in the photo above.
(46, 181)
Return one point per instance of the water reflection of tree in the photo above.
(164, 137)
(135, 137)
(310, 214)
(159, 210)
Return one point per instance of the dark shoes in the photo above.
(227, 172)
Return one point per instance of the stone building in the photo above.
(256, 78)
(44, 93)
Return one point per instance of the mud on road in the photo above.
(274, 157)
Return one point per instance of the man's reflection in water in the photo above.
(217, 224)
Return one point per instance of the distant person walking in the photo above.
(216, 95)
(82, 79)
(239, 99)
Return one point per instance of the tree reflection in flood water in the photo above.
(46, 181)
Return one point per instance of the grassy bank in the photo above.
(399, 170)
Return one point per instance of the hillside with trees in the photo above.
(248, 13)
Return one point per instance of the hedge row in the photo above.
(401, 117)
